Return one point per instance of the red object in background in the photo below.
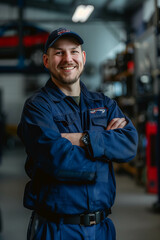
(28, 41)
(34, 38)
(152, 172)
(130, 66)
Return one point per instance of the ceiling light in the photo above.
(82, 13)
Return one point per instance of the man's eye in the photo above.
(58, 53)
(75, 52)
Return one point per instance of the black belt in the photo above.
(85, 219)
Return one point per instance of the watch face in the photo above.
(85, 139)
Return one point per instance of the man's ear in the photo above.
(84, 57)
(45, 60)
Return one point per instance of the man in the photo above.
(71, 137)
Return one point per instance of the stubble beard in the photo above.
(66, 81)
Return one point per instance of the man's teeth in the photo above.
(68, 68)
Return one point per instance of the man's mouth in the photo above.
(68, 68)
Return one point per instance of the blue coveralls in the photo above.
(65, 178)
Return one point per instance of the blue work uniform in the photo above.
(65, 178)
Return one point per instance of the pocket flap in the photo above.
(99, 121)
(65, 119)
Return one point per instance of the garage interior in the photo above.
(122, 41)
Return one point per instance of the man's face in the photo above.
(65, 61)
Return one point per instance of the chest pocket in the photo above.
(67, 123)
(98, 123)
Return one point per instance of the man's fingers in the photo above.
(111, 123)
(123, 124)
(116, 123)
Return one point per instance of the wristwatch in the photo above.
(85, 139)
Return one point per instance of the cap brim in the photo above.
(71, 34)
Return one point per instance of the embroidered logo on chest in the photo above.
(95, 110)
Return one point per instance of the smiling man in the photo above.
(65, 60)
(72, 136)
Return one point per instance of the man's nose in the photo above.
(67, 57)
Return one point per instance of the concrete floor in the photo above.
(131, 215)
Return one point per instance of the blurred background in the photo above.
(122, 41)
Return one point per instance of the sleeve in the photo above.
(119, 145)
(47, 151)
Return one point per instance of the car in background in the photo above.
(34, 39)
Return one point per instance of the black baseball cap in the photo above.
(56, 34)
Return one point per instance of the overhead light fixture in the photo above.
(82, 13)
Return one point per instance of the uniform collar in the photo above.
(57, 95)
(90, 95)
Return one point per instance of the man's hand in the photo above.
(116, 123)
(74, 138)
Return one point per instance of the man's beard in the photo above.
(64, 81)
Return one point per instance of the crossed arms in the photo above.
(59, 155)
(75, 138)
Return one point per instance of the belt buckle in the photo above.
(88, 219)
(92, 221)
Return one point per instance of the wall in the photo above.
(12, 96)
